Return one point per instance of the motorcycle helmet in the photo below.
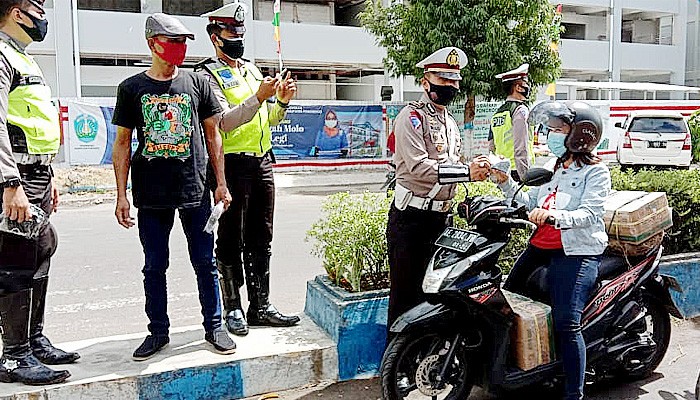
(585, 123)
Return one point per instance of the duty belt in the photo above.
(428, 204)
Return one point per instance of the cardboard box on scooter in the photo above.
(634, 217)
(532, 333)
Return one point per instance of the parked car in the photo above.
(655, 138)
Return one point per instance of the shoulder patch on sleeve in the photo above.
(415, 120)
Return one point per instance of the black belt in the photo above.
(33, 168)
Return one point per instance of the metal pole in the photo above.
(611, 45)
(76, 50)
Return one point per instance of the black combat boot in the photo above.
(233, 310)
(18, 364)
(41, 346)
(260, 311)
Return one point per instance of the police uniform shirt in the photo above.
(425, 138)
(234, 117)
(521, 137)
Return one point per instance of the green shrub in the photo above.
(683, 191)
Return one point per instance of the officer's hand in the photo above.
(122, 213)
(498, 176)
(287, 88)
(479, 168)
(222, 194)
(539, 216)
(15, 204)
(55, 196)
(267, 88)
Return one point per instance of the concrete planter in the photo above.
(355, 321)
(684, 269)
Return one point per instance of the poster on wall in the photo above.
(90, 139)
(482, 124)
(329, 132)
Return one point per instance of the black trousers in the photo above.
(245, 229)
(411, 236)
(22, 259)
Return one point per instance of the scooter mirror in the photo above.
(537, 176)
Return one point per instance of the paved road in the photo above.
(96, 284)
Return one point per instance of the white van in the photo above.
(655, 138)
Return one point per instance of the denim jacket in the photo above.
(581, 194)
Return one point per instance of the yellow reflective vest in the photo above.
(30, 109)
(238, 84)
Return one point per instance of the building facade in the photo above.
(94, 44)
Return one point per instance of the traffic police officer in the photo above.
(29, 139)
(245, 229)
(426, 136)
(510, 136)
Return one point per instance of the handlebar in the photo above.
(518, 221)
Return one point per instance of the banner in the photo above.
(329, 132)
(482, 126)
(91, 137)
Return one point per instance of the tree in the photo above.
(497, 35)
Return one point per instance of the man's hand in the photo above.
(268, 87)
(539, 216)
(15, 204)
(222, 194)
(479, 169)
(498, 177)
(55, 197)
(122, 213)
(287, 88)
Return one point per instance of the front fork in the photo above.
(448, 360)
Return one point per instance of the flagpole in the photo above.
(277, 10)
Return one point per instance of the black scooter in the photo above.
(460, 337)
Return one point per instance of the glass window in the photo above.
(110, 5)
(190, 7)
(658, 125)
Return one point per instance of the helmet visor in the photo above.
(551, 116)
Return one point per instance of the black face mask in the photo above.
(442, 95)
(525, 92)
(39, 30)
(232, 47)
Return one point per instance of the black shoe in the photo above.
(45, 352)
(269, 316)
(150, 346)
(221, 341)
(236, 324)
(29, 371)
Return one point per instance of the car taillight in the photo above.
(627, 144)
(688, 142)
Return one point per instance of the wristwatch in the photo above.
(11, 183)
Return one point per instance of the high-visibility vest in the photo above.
(254, 136)
(32, 119)
(502, 129)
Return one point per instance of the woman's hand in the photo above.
(498, 177)
(539, 216)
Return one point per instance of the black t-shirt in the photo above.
(169, 167)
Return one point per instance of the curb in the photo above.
(268, 359)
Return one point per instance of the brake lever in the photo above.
(518, 221)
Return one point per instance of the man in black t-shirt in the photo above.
(168, 107)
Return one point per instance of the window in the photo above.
(573, 31)
(190, 7)
(110, 5)
(658, 125)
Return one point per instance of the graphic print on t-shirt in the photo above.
(168, 125)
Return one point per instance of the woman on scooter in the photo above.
(571, 236)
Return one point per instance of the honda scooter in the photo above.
(461, 336)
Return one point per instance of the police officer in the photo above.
(510, 136)
(426, 136)
(245, 229)
(29, 139)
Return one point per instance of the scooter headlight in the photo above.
(434, 279)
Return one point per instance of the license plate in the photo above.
(656, 144)
(457, 239)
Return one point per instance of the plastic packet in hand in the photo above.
(29, 229)
(214, 217)
(501, 164)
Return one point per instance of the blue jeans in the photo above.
(154, 230)
(571, 280)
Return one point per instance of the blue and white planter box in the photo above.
(684, 269)
(355, 321)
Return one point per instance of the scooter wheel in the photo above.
(410, 354)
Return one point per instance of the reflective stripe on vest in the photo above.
(502, 128)
(254, 136)
(29, 105)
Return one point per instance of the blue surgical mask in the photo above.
(556, 141)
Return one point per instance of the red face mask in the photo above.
(173, 52)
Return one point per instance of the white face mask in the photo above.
(331, 123)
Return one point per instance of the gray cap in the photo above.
(164, 24)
